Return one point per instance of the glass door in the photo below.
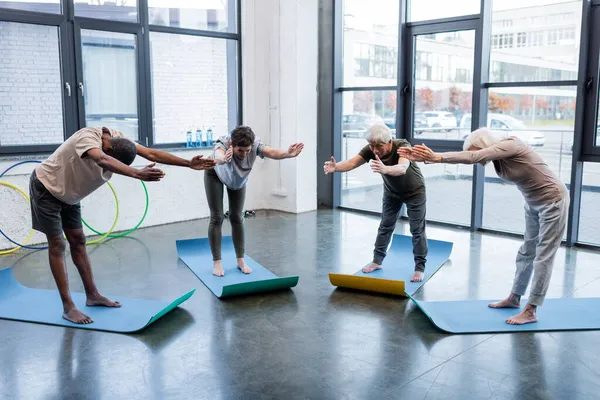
(108, 79)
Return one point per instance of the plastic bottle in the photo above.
(209, 137)
(188, 137)
(198, 137)
(204, 139)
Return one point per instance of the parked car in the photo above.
(504, 126)
(356, 125)
(420, 122)
(440, 119)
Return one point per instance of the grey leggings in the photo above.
(214, 195)
(415, 208)
(544, 227)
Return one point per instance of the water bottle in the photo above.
(209, 137)
(198, 137)
(204, 139)
(189, 139)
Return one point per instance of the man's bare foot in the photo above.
(218, 268)
(417, 277)
(511, 301)
(243, 266)
(101, 301)
(371, 268)
(77, 317)
(527, 316)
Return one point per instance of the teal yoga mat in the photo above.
(195, 253)
(475, 316)
(21, 303)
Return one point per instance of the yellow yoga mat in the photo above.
(397, 269)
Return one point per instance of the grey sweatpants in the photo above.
(544, 228)
(415, 208)
(214, 194)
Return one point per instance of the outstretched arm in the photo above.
(163, 157)
(279, 154)
(498, 151)
(393, 170)
(343, 166)
(148, 173)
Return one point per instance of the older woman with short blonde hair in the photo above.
(546, 208)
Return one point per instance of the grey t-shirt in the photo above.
(518, 163)
(234, 174)
(404, 186)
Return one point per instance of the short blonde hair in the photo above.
(379, 133)
(481, 138)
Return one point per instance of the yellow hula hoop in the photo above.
(112, 228)
(101, 238)
(9, 251)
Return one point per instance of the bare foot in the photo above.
(511, 301)
(218, 268)
(99, 300)
(77, 317)
(243, 266)
(417, 277)
(371, 268)
(527, 316)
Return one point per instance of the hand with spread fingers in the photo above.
(419, 152)
(378, 166)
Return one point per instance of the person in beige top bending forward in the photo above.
(82, 164)
(546, 207)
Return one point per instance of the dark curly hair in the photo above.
(242, 136)
(123, 150)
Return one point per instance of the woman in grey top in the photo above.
(235, 156)
(546, 207)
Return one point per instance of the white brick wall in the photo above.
(30, 85)
(189, 78)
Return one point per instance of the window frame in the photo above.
(69, 27)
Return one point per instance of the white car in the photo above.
(440, 119)
(504, 126)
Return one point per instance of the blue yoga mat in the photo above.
(399, 263)
(21, 303)
(476, 317)
(196, 254)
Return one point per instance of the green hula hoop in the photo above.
(122, 234)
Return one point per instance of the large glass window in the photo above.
(43, 6)
(535, 40)
(189, 86)
(420, 10)
(205, 15)
(110, 98)
(589, 219)
(362, 188)
(544, 119)
(443, 82)
(370, 53)
(121, 10)
(449, 189)
(31, 102)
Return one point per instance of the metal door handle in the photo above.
(68, 88)
(81, 88)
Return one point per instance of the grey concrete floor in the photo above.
(312, 342)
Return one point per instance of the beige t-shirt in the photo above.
(68, 176)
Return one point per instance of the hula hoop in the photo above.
(19, 245)
(123, 234)
(110, 234)
(9, 251)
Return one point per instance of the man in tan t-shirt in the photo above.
(82, 164)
